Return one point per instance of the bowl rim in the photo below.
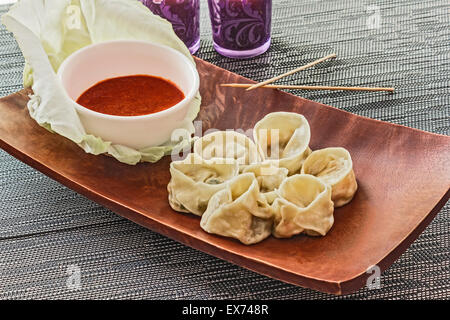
(188, 96)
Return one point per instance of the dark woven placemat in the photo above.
(46, 228)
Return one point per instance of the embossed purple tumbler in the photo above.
(241, 28)
(184, 16)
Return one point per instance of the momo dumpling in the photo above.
(304, 205)
(239, 211)
(227, 146)
(269, 178)
(284, 137)
(194, 182)
(333, 166)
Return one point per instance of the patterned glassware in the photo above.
(241, 28)
(184, 16)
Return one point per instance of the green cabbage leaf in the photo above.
(48, 31)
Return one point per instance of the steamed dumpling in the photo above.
(269, 178)
(194, 182)
(227, 146)
(334, 167)
(304, 205)
(239, 211)
(284, 136)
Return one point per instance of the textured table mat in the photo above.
(47, 229)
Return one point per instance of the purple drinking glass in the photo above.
(241, 28)
(184, 16)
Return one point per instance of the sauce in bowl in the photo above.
(135, 95)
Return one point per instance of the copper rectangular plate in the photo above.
(403, 176)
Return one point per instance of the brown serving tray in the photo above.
(403, 176)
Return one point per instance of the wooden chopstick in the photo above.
(244, 85)
(306, 66)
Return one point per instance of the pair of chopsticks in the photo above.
(266, 83)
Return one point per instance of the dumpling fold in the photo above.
(269, 178)
(194, 181)
(334, 167)
(226, 147)
(283, 137)
(304, 205)
(239, 211)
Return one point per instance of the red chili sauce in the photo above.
(131, 95)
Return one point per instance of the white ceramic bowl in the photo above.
(101, 61)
